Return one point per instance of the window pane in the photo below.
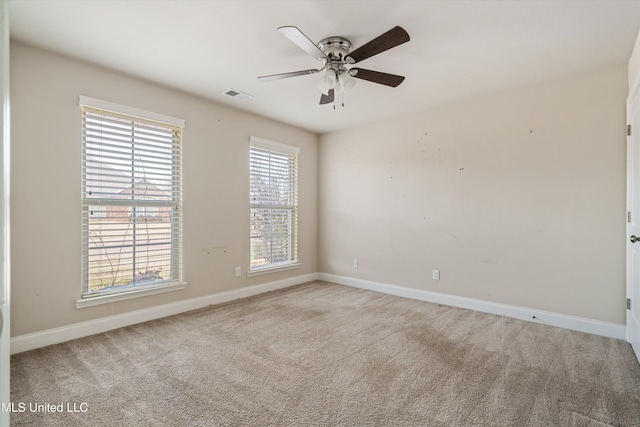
(132, 196)
(125, 159)
(271, 236)
(126, 249)
(273, 178)
(273, 197)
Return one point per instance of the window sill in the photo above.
(121, 296)
(273, 269)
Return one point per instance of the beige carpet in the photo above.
(321, 354)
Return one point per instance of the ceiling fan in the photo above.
(335, 54)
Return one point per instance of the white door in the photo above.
(4, 212)
(633, 221)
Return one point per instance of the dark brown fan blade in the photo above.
(327, 99)
(386, 79)
(392, 38)
(286, 75)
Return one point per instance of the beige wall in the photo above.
(45, 206)
(517, 198)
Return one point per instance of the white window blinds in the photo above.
(131, 202)
(274, 204)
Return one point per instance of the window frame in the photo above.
(292, 152)
(142, 117)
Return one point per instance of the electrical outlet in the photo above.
(238, 271)
(436, 274)
(355, 263)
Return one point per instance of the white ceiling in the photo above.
(458, 49)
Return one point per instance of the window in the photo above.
(274, 205)
(131, 199)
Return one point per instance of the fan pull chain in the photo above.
(341, 103)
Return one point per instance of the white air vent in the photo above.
(240, 96)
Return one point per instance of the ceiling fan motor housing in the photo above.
(336, 48)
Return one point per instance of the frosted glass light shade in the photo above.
(328, 82)
(346, 81)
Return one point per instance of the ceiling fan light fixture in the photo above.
(323, 89)
(328, 82)
(346, 81)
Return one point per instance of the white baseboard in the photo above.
(78, 330)
(35, 340)
(596, 327)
